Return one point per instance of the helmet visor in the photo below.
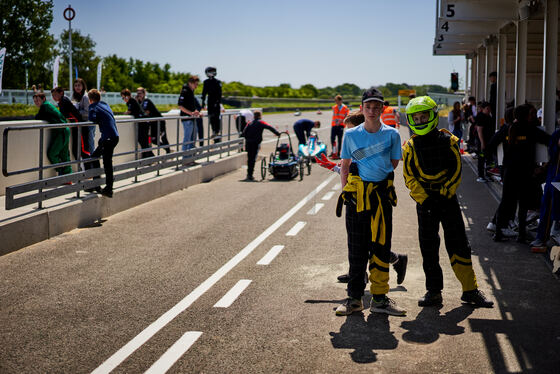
(421, 119)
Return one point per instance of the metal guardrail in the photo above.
(47, 188)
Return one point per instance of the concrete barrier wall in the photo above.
(47, 223)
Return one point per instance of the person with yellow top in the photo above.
(340, 111)
(432, 173)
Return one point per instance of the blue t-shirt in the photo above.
(372, 152)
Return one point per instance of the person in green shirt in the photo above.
(57, 151)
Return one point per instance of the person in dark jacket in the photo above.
(57, 151)
(485, 129)
(519, 165)
(136, 111)
(188, 107)
(72, 115)
(150, 110)
(253, 138)
(303, 127)
(212, 88)
(101, 114)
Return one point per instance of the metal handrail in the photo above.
(176, 159)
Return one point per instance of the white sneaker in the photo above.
(491, 227)
(481, 180)
(509, 233)
(555, 258)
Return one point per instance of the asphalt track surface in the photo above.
(240, 277)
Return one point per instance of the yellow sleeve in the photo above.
(417, 192)
(454, 180)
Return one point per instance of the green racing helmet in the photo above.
(422, 104)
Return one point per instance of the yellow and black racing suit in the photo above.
(432, 173)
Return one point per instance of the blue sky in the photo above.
(325, 43)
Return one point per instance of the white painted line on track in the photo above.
(174, 353)
(316, 208)
(294, 230)
(336, 186)
(233, 294)
(118, 357)
(328, 195)
(271, 255)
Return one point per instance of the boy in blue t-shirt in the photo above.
(369, 200)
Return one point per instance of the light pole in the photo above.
(26, 66)
(69, 14)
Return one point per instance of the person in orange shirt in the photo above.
(390, 116)
(340, 111)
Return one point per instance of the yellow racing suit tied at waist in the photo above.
(367, 197)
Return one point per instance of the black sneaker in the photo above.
(344, 278)
(477, 298)
(107, 192)
(431, 298)
(400, 267)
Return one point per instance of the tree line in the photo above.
(24, 31)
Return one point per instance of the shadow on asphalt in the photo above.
(429, 324)
(364, 336)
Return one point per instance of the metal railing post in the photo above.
(158, 136)
(136, 149)
(177, 145)
(208, 132)
(79, 154)
(229, 131)
(41, 141)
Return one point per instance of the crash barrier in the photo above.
(44, 187)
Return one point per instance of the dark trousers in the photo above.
(362, 250)
(448, 213)
(105, 149)
(252, 149)
(336, 133)
(86, 147)
(200, 130)
(162, 134)
(214, 119)
(144, 138)
(517, 189)
(482, 165)
(300, 133)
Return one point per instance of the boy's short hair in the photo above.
(472, 98)
(40, 95)
(317, 124)
(484, 104)
(373, 94)
(354, 118)
(338, 98)
(257, 115)
(386, 103)
(94, 95)
(59, 90)
(193, 79)
(141, 89)
(126, 92)
(493, 74)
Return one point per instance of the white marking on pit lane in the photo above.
(271, 255)
(328, 195)
(118, 357)
(233, 294)
(294, 230)
(508, 353)
(316, 208)
(174, 353)
(336, 187)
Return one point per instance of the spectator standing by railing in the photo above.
(72, 115)
(187, 106)
(136, 111)
(57, 150)
(213, 89)
(150, 110)
(81, 102)
(101, 113)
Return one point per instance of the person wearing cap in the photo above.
(432, 173)
(369, 198)
(340, 111)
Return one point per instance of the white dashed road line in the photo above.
(328, 195)
(336, 187)
(274, 251)
(122, 354)
(174, 353)
(316, 208)
(294, 230)
(233, 294)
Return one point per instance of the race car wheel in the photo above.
(263, 168)
(308, 162)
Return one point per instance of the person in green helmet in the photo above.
(432, 173)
